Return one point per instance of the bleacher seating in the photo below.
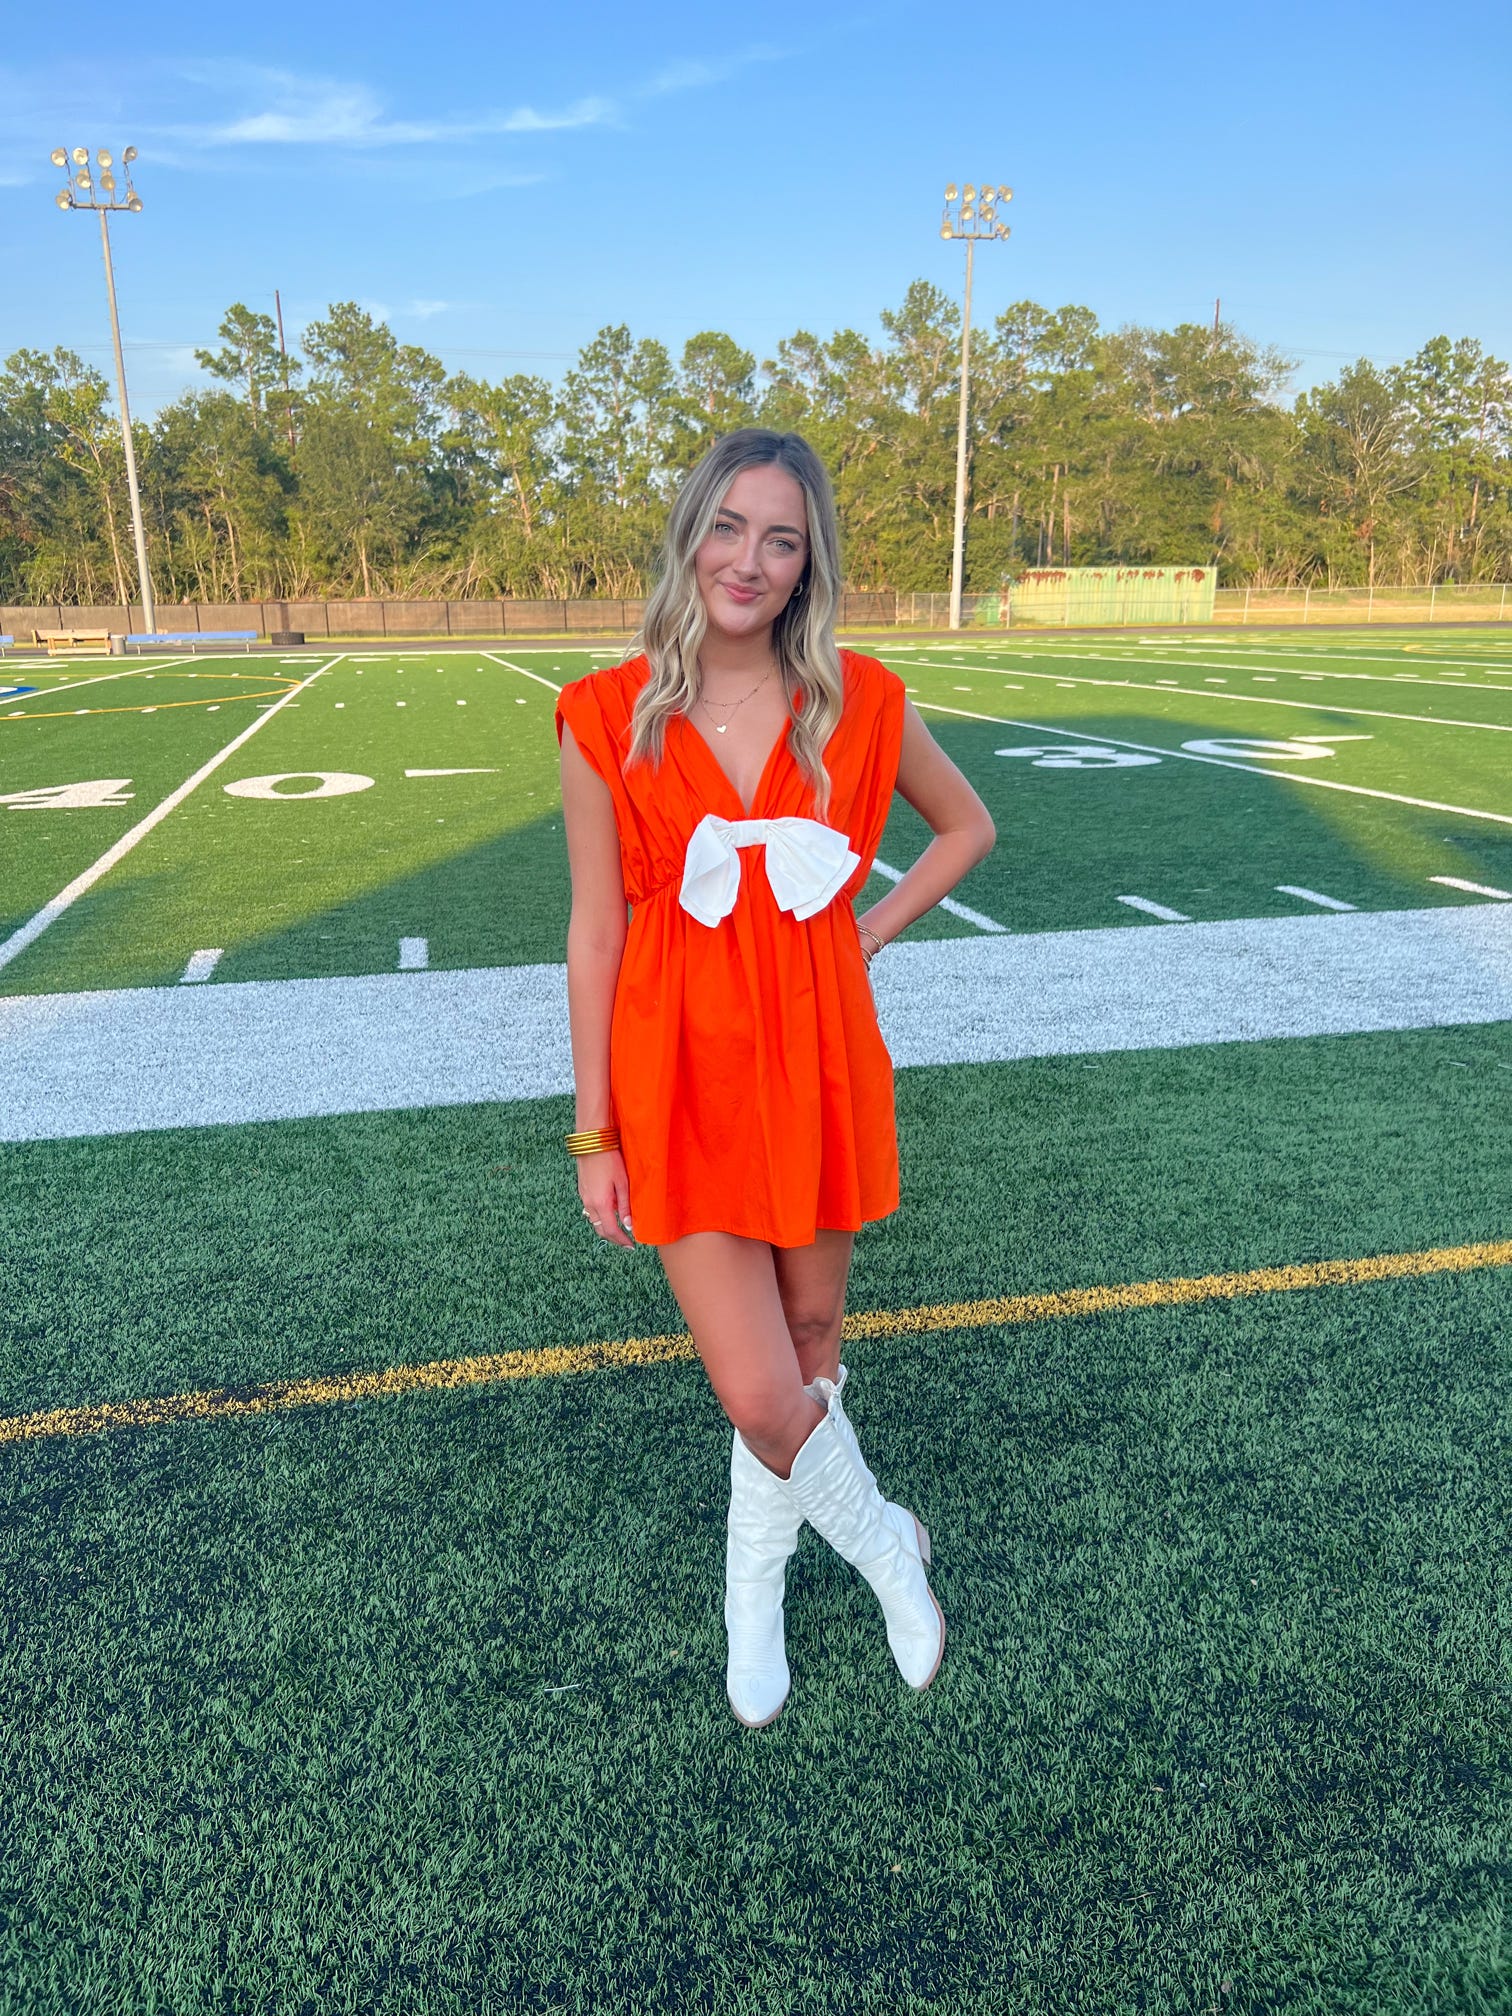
(72, 640)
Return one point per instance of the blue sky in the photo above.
(502, 182)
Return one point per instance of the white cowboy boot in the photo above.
(836, 1493)
(903, 1522)
(763, 1531)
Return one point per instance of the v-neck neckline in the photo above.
(746, 811)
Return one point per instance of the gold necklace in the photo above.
(733, 705)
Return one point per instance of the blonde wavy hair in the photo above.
(803, 635)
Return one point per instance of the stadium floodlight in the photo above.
(80, 192)
(973, 219)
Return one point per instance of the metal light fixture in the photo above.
(80, 192)
(973, 220)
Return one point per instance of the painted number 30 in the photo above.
(1232, 748)
(1077, 756)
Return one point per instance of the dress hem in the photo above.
(765, 1236)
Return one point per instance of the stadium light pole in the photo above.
(970, 213)
(83, 192)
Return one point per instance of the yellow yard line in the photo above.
(152, 706)
(556, 1361)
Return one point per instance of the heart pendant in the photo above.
(721, 727)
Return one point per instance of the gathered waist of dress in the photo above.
(807, 865)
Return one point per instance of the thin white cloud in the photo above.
(326, 112)
(226, 105)
(586, 112)
(426, 309)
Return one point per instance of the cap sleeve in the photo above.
(876, 746)
(579, 709)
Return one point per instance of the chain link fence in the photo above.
(1449, 602)
(881, 609)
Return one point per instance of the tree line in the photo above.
(358, 465)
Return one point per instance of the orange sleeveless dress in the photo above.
(750, 1082)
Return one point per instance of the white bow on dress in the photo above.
(807, 864)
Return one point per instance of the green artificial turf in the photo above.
(147, 1263)
(292, 887)
(415, 1705)
(476, 865)
(42, 746)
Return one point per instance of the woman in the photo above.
(731, 783)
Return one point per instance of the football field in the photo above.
(362, 1569)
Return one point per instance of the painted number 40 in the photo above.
(70, 797)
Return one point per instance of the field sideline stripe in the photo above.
(1248, 699)
(33, 928)
(1070, 650)
(556, 1361)
(1297, 672)
(522, 670)
(1222, 762)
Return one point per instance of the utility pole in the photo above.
(82, 192)
(283, 352)
(975, 216)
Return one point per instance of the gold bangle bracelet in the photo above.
(867, 931)
(593, 1141)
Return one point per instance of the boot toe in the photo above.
(918, 1651)
(758, 1697)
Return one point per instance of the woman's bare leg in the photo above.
(811, 1281)
(727, 1290)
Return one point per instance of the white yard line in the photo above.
(1406, 664)
(1225, 763)
(1364, 657)
(1456, 682)
(414, 955)
(126, 1060)
(30, 931)
(201, 965)
(523, 671)
(1053, 646)
(946, 902)
(1154, 909)
(1312, 896)
(1268, 669)
(460, 652)
(1474, 888)
(1255, 699)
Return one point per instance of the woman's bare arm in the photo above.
(595, 946)
(962, 826)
